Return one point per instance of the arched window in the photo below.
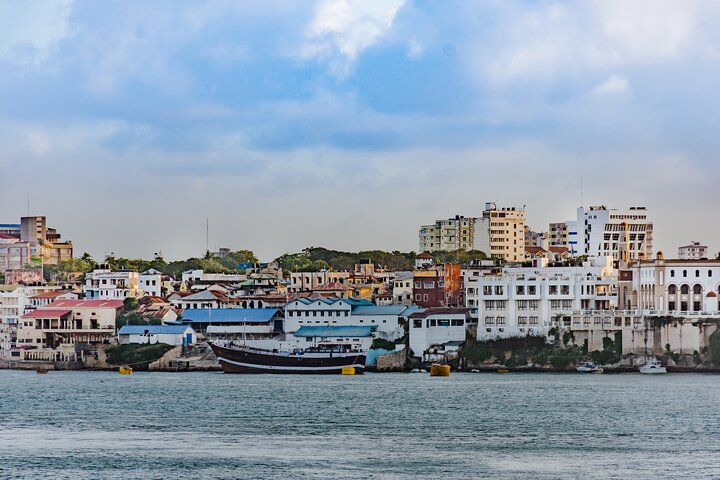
(684, 289)
(697, 289)
(672, 273)
(697, 273)
(709, 273)
(684, 273)
(672, 290)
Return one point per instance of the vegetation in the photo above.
(137, 356)
(714, 348)
(134, 318)
(521, 349)
(611, 351)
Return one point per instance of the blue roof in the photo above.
(335, 331)
(229, 315)
(378, 309)
(9, 225)
(152, 329)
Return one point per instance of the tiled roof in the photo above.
(42, 313)
(534, 250)
(86, 304)
(425, 256)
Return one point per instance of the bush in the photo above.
(384, 344)
(136, 355)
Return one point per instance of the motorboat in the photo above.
(653, 366)
(589, 367)
(439, 370)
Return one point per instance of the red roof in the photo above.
(533, 250)
(53, 294)
(425, 256)
(7, 237)
(43, 313)
(559, 249)
(86, 304)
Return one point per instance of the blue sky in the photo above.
(348, 124)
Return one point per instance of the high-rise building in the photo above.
(500, 232)
(558, 234)
(621, 234)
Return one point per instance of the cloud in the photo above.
(31, 29)
(342, 29)
(615, 86)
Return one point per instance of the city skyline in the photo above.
(349, 125)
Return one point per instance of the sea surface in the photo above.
(102, 425)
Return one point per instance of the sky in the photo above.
(348, 124)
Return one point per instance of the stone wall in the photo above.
(392, 362)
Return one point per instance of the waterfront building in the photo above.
(693, 251)
(235, 323)
(441, 286)
(520, 301)
(177, 335)
(106, 284)
(402, 288)
(354, 338)
(15, 301)
(345, 312)
(620, 234)
(67, 330)
(436, 328)
(534, 239)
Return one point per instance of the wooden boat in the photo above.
(324, 360)
(503, 370)
(125, 370)
(439, 370)
(41, 371)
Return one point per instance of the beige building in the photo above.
(452, 234)
(558, 234)
(507, 232)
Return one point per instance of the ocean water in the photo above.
(73, 425)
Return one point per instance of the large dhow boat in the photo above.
(323, 357)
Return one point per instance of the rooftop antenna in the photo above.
(581, 191)
(207, 235)
(28, 204)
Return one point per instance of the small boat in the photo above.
(125, 370)
(503, 370)
(653, 366)
(589, 367)
(41, 371)
(439, 370)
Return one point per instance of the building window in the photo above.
(671, 306)
(489, 320)
(697, 289)
(672, 273)
(501, 320)
(520, 290)
(697, 273)
(672, 290)
(425, 297)
(522, 320)
(684, 289)
(533, 320)
(684, 273)
(417, 323)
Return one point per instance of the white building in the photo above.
(151, 282)
(694, 251)
(176, 335)
(435, 328)
(106, 284)
(198, 278)
(310, 281)
(402, 288)
(14, 303)
(345, 312)
(621, 234)
(520, 301)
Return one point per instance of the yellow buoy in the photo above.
(348, 370)
(439, 370)
(125, 370)
(503, 370)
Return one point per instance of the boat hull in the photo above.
(244, 360)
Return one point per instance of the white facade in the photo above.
(620, 234)
(402, 289)
(522, 301)
(199, 276)
(152, 334)
(436, 326)
(112, 285)
(13, 305)
(151, 283)
(694, 251)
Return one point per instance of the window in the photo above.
(457, 322)
(418, 284)
(418, 297)
(533, 320)
(671, 306)
(425, 297)
(489, 304)
(684, 289)
(683, 306)
(432, 323)
(672, 273)
(428, 285)
(696, 306)
(553, 290)
(567, 304)
(501, 304)
(501, 320)
(522, 320)
(489, 320)
(697, 289)
(522, 304)
(487, 290)
(564, 289)
(697, 273)
(498, 290)
(520, 290)
(555, 304)
(672, 290)
(443, 323)
(532, 290)
(417, 323)
(684, 273)
(709, 273)
(534, 304)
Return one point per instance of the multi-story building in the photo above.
(112, 285)
(694, 251)
(506, 232)
(151, 283)
(519, 301)
(437, 329)
(467, 233)
(534, 239)
(441, 286)
(45, 240)
(621, 234)
(310, 281)
(557, 234)
(402, 288)
(14, 303)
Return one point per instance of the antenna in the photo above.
(207, 234)
(581, 191)
(28, 203)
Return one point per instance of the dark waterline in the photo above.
(72, 425)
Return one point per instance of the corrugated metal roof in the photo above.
(335, 331)
(229, 315)
(86, 304)
(378, 309)
(46, 313)
(153, 329)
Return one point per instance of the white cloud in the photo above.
(30, 29)
(616, 85)
(342, 29)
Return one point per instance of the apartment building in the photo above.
(112, 285)
(620, 234)
(519, 301)
(467, 233)
(506, 232)
(693, 251)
